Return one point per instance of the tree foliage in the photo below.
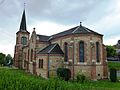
(8, 60)
(2, 58)
(64, 73)
(111, 52)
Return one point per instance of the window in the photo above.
(97, 51)
(24, 40)
(81, 51)
(31, 54)
(24, 59)
(28, 54)
(65, 52)
(40, 63)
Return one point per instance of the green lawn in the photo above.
(11, 79)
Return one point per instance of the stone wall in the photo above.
(90, 54)
(96, 71)
(42, 71)
(55, 61)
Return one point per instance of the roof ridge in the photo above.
(65, 30)
(86, 29)
(50, 38)
(43, 35)
(52, 48)
(75, 30)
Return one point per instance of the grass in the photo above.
(11, 79)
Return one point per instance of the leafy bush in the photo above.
(64, 73)
(81, 78)
(2, 58)
(115, 65)
(113, 75)
(111, 52)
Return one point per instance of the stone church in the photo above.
(79, 49)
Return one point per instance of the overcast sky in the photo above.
(53, 16)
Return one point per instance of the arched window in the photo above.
(31, 54)
(97, 51)
(24, 40)
(65, 52)
(81, 51)
(40, 63)
(28, 54)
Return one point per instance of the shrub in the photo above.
(64, 73)
(115, 65)
(113, 75)
(80, 78)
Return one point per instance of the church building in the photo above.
(79, 49)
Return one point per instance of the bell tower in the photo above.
(22, 38)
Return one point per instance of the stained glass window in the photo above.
(97, 52)
(65, 52)
(81, 51)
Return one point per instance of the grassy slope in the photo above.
(18, 80)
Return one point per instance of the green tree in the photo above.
(2, 58)
(111, 52)
(119, 55)
(8, 60)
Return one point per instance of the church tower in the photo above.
(22, 38)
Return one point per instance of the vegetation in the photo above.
(2, 58)
(113, 75)
(5, 60)
(19, 80)
(8, 60)
(111, 52)
(115, 65)
(80, 78)
(64, 73)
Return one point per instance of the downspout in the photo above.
(48, 66)
(21, 61)
(73, 57)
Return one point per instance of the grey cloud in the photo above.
(59, 11)
(63, 11)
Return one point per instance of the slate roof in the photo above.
(43, 38)
(76, 30)
(51, 49)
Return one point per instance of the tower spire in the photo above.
(23, 22)
(23, 26)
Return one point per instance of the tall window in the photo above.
(31, 54)
(40, 63)
(24, 59)
(97, 51)
(65, 52)
(81, 51)
(28, 54)
(24, 40)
